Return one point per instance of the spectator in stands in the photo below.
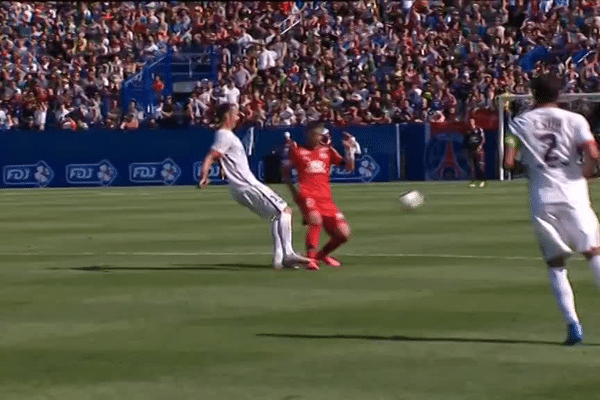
(158, 86)
(307, 55)
(130, 122)
(113, 119)
(230, 93)
(168, 113)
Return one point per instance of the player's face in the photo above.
(313, 138)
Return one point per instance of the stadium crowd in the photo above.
(286, 63)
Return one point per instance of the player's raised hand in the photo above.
(350, 144)
(348, 141)
(288, 138)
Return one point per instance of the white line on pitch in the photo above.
(192, 254)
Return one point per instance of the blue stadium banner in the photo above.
(102, 158)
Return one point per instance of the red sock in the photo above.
(333, 244)
(313, 235)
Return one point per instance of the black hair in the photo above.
(546, 88)
(315, 125)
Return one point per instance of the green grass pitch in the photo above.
(167, 293)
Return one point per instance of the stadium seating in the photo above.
(113, 64)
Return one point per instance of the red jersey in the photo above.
(314, 167)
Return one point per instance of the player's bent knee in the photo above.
(314, 218)
(344, 232)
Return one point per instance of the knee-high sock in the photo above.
(312, 239)
(334, 243)
(277, 245)
(285, 233)
(563, 294)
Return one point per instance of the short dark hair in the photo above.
(314, 126)
(221, 111)
(546, 88)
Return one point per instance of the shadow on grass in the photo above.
(401, 338)
(174, 267)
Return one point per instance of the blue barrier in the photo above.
(57, 158)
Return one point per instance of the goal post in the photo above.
(510, 104)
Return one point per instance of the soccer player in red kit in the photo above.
(313, 163)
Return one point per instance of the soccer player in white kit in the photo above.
(552, 143)
(229, 151)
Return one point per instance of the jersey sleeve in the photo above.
(222, 142)
(514, 136)
(335, 157)
(582, 131)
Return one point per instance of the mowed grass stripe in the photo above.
(174, 298)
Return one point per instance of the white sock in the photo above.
(595, 267)
(277, 246)
(563, 293)
(285, 233)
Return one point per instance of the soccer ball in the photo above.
(411, 199)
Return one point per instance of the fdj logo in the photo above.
(102, 173)
(39, 174)
(166, 172)
(366, 170)
(214, 174)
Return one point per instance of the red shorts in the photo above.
(325, 211)
(325, 207)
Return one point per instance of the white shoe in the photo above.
(277, 265)
(295, 260)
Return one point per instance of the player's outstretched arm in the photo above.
(211, 157)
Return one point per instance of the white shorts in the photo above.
(260, 199)
(562, 228)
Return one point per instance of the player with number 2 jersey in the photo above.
(560, 154)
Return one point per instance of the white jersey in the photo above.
(551, 140)
(233, 159)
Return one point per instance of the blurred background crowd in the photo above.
(286, 63)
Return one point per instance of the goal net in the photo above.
(510, 105)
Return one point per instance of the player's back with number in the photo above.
(552, 140)
(560, 153)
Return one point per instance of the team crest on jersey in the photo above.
(323, 153)
(316, 167)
